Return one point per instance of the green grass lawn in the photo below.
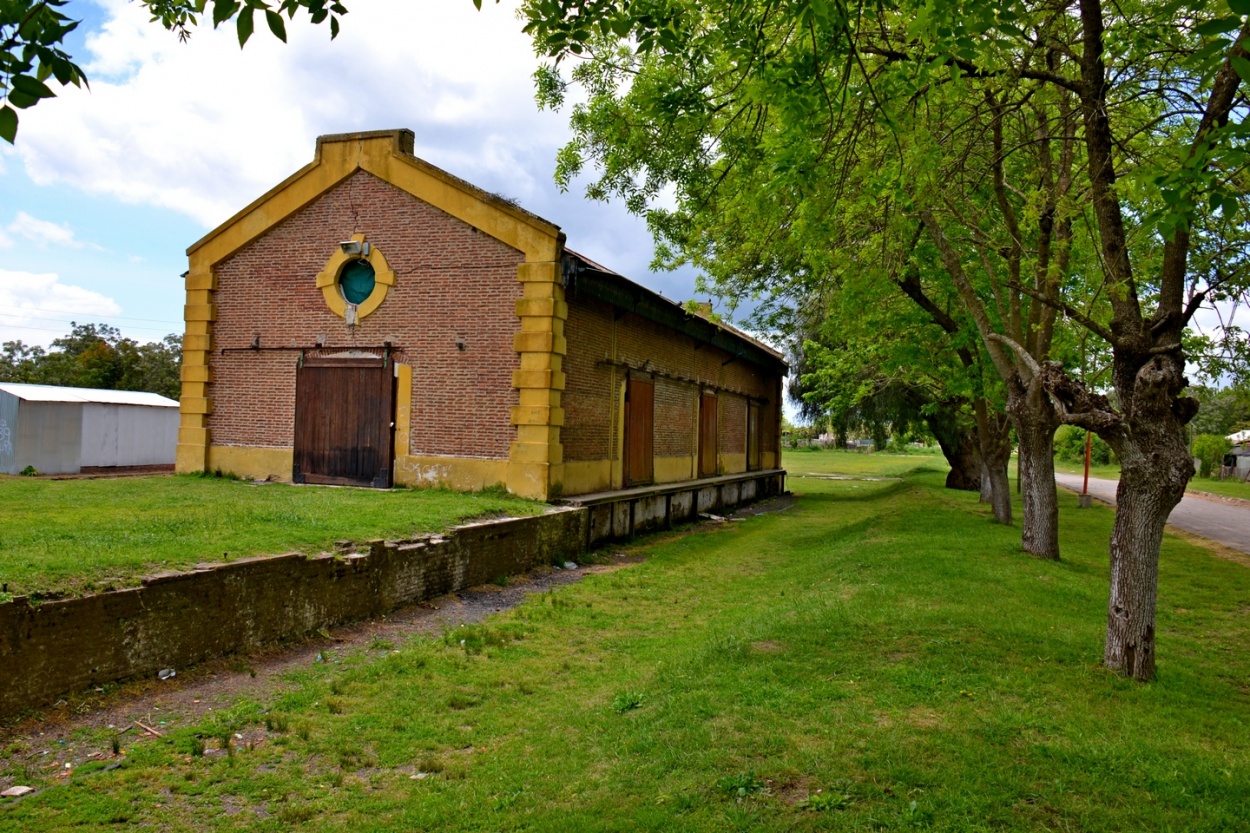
(69, 536)
(880, 656)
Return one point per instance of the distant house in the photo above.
(58, 430)
(374, 320)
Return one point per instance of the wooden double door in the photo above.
(344, 420)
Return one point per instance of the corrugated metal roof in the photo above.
(52, 393)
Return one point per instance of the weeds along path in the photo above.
(878, 656)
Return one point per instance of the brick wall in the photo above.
(587, 431)
(452, 282)
(589, 403)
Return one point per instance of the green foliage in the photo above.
(628, 701)
(1210, 450)
(33, 38)
(1070, 447)
(96, 356)
(741, 786)
(1222, 412)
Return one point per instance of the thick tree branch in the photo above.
(1018, 349)
(974, 71)
(1070, 311)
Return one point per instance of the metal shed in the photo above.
(59, 430)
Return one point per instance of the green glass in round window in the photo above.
(356, 281)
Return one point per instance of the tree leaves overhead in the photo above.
(33, 32)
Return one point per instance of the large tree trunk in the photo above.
(1035, 419)
(1155, 467)
(994, 436)
(958, 441)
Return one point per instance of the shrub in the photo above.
(1070, 447)
(1210, 450)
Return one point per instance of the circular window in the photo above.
(356, 281)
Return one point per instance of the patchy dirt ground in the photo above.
(49, 741)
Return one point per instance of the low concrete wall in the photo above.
(178, 619)
(628, 512)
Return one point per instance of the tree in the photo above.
(720, 87)
(96, 356)
(33, 33)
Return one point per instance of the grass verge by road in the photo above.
(1207, 485)
(70, 536)
(881, 656)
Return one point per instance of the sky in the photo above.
(105, 189)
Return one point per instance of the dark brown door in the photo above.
(639, 431)
(343, 421)
(707, 435)
(753, 436)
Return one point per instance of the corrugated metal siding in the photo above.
(8, 432)
(128, 435)
(48, 436)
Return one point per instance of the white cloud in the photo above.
(37, 306)
(203, 129)
(41, 233)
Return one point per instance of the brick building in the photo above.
(375, 320)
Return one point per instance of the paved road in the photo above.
(1215, 520)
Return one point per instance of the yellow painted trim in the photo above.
(328, 280)
(386, 155)
(192, 435)
(532, 480)
(403, 409)
(537, 270)
(195, 372)
(541, 361)
(544, 397)
(525, 415)
(249, 461)
(553, 379)
(536, 453)
(586, 476)
(536, 238)
(672, 469)
(545, 342)
(192, 343)
(201, 280)
(189, 458)
(199, 312)
(731, 463)
(197, 405)
(465, 474)
(545, 307)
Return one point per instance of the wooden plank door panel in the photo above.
(707, 434)
(753, 436)
(343, 422)
(639, 431)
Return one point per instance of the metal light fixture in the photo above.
(352, 247)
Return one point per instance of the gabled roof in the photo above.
(96, 396)
(388, 155)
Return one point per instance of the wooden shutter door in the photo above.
(639, 431)
(343, 421)
(753, 436)
(707, 435)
